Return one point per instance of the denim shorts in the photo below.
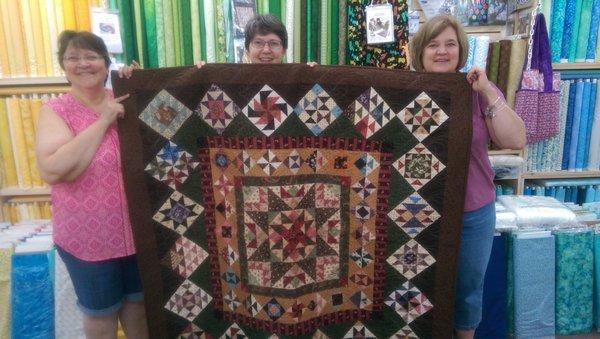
(476, 241)
(102, 286)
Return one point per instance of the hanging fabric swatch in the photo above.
(574, 281)
(534, 285)
(392, 55)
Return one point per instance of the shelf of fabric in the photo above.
(560, 174)
(31, 85)
(575, 65)
(15, 191)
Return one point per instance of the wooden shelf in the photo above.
(504, 152)
(560, 174)
(16, 191)
(576, 65)
(30, 85)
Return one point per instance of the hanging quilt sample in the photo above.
(294, 201)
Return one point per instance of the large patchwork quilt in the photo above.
(288, 201)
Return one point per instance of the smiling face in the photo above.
(266, 49)
(84, 67)
(442, 53)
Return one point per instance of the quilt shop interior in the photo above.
(371, 248)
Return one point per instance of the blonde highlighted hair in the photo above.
(431, 29)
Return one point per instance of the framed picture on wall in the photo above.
(380, 24)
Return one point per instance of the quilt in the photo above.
(287, 201)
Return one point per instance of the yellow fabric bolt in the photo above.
(4, 61)
(45, 24)
(515, 68)
(19, 145)
(69, 14)
(26, 21)
(5, 268)
(8, 160)
(82, 13)
(38, 36)
(29, 133)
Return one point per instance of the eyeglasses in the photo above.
(274, 45)
(87, 58)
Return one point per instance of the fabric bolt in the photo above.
(298, 24)
(177, 37)
(568, 29)
(574, 143)
(68, 320)
(289, 26)
(472, 40)
(583, 125)
(232, 136)
(14, 30)
(482, 44)
(335, 32)
(557, 27)
(203, 42)
(593, 35)
(53, 31)
(140, 33)
(343, 31)
(38, 37)
(590, 122)
(597, 278)
(92, 225)
(29, 135)
(169, 37)
(6, 252)
(574, 281)
(518, 52)
(569, 124)
(126, 19)
(494, 62)
(221, 43)
(151, 36)
(494, 322)
(4, 60)
(209, 29)
(576, 27)
(195, 30)
(565, 87)
(82, 14)
(534, 286)
(597, 59)
(161, 53)
(7, 53)
(19, 144)
(69, 14)
(584, 30)
(315, 28)
(504, 65)
(324, 37)
(594, 149)
(32, 296)
(25, 11)
(6, 147)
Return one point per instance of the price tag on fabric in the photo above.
(380, 23)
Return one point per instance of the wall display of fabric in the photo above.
(390, 55)
(534, 305)
(574, 281)
(282, 188)
(577, 145)
(574, 30)
(32, 296)
(494, 322)
(68, 319)
(18, 119)
(29, 30)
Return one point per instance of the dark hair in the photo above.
(263, 25)
(84, 40)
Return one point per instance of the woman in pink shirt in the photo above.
(441, 45)
(78, 155)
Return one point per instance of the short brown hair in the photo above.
(84, 40)
(263, 25)
(431, 29)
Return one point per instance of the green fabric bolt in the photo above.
(335, 30)
(310, 56)
(221, 47)
(274, 7)
(195, 31)
(177, 34)
(151, 36)
(140, 33)
(574, 35)
(303, 31)
(186, 32)
(342, 18)
(202, 29)
(315, 28)
(127, 30)
(230, 52)
(297, 30)
(574, 281)
(324, 32)
(494, 63)
(210, 34)
(160, 34)
(169, 34)
(584, 30)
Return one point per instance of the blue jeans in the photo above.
(475, 247)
